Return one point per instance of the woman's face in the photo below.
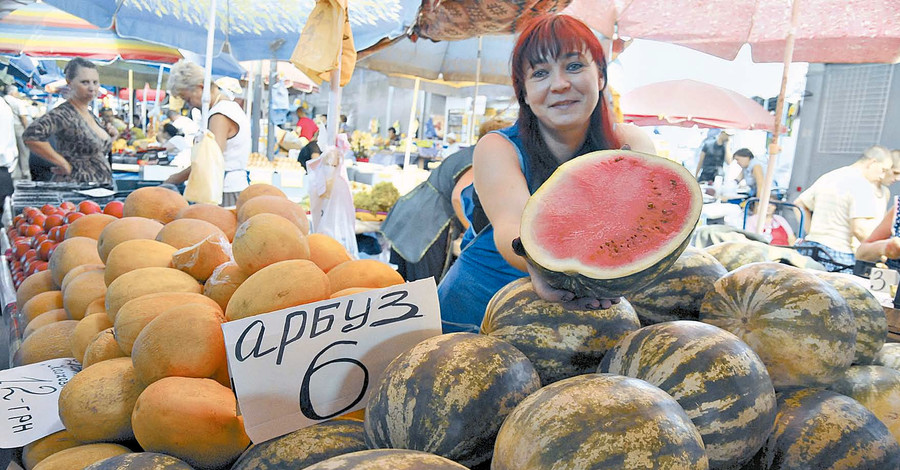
(742, 161)
(85, 85)
(562, 93)
(193, 96)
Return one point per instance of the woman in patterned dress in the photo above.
(82, 139)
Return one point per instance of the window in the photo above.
(854, 105)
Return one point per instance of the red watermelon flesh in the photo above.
(611, 214)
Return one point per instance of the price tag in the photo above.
(29, 397)
(298, 366)
(881, 280)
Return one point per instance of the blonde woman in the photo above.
(227, 122)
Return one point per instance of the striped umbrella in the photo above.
(40, 30)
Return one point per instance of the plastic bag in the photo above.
(330, 200)
(205, 184)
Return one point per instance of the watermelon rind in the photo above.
(875, 387)
(140, 461)
(305, 447)
(720, 382)
(596, 421)
(386, 459)
(817, 428)
(572, 274)
(559, 342)
(871, 322)
(888, 356)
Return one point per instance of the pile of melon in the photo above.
(140, 301)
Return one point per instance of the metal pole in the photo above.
(156, 98)
(256, 108)
(471, 136)
(387, 112)
(207, 76)
(334, 103)
(409, 127)
(774, 150)
(128, 118)
(270, 135)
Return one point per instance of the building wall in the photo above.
(860, 103)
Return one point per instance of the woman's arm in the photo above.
(456, 197)
(46, 151)
(503, 192)
(880, 243)
(758, 176)
(222, 128)
(639, 141)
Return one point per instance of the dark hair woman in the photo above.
(82, 140)
(559, 75)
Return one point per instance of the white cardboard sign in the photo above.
(881, 280)
(29, 400)
(301, 365)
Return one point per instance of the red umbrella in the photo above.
(687, 103)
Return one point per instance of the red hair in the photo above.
(546, 38)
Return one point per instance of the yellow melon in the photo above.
(281, 285)
(126, 228)
(155, 203)
(266, 239)
(201, 259)
(85, 332)
(183, 341)
(286, 208)
(46, 446)
(363, 273)
(98, 305)
(218, 216)
(223, 281)
(89, 226)
(47, 342)
(137, 313)
(193, 419)
(44, 319)
(78, 271)
(183, 233)
(326, 252)
(33, 285)
(256, 190)
(81, 291)
(96, 404)
(143, 281)
(103, 348)
(43, 302)
(71, 253)
(135, 254)
(350, 291)
(81, 456)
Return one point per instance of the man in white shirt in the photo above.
(21, 119)
(840, 202)
(8, 150)
(186, 125)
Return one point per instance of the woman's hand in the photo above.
(892, 248)
(64, 169)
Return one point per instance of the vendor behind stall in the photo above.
(227, 122)
(423, 223)
(177, 146)
(82, 140)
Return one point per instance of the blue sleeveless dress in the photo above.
(480, 271)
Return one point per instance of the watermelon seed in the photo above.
(650, 206)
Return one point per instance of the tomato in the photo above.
(114, 208)
(32, 230)
(39, 220)
(72, 216)
(36, 267)
(30, 212)
(20, 248)
(45, 249)
(29, 255)
(68, 206)
(89, 207)
(38, 239)
(53, 221)
(62, 232)
(48, 208)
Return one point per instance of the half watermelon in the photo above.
(607, 223)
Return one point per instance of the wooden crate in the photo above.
(893, 320)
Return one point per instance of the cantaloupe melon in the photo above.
(47, 342)
(256, 190)
(96, 404)
(223, 281)
(154, 202)
(281, 285)
(103, 348)
(135, 254)
(43, 302)
(137, 313)
(363, 273)
(350, 291)
(202, 258)
(182, 233)
(78, 271)
(275, 205)
(218, 216)
(96, 306)
(85, 332)
(90, 226)
(44, 319)
(46, 446)
(126, 228)
(83, 290)
(326, 252)
(266, 239)
(81, 456)
(33, 285)
(143, 281)
(71, 253)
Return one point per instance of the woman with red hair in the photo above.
(558, 74)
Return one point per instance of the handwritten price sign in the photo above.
(29, 398)
(295, 367)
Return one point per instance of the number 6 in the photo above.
(306, 403)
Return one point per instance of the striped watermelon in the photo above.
(821, 429)
(871, 323)
(140, 461)
(720, 382)
(877, 388)
(735, 254)
(677, 293)
(888, 356)
(559, 343)
(599, 421)
(448, 395)
(386, 459)
(797, 323)
(305, 447)
(567, 234)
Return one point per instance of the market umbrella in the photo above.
(688, 103)
(40, 30)
(249, 26)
